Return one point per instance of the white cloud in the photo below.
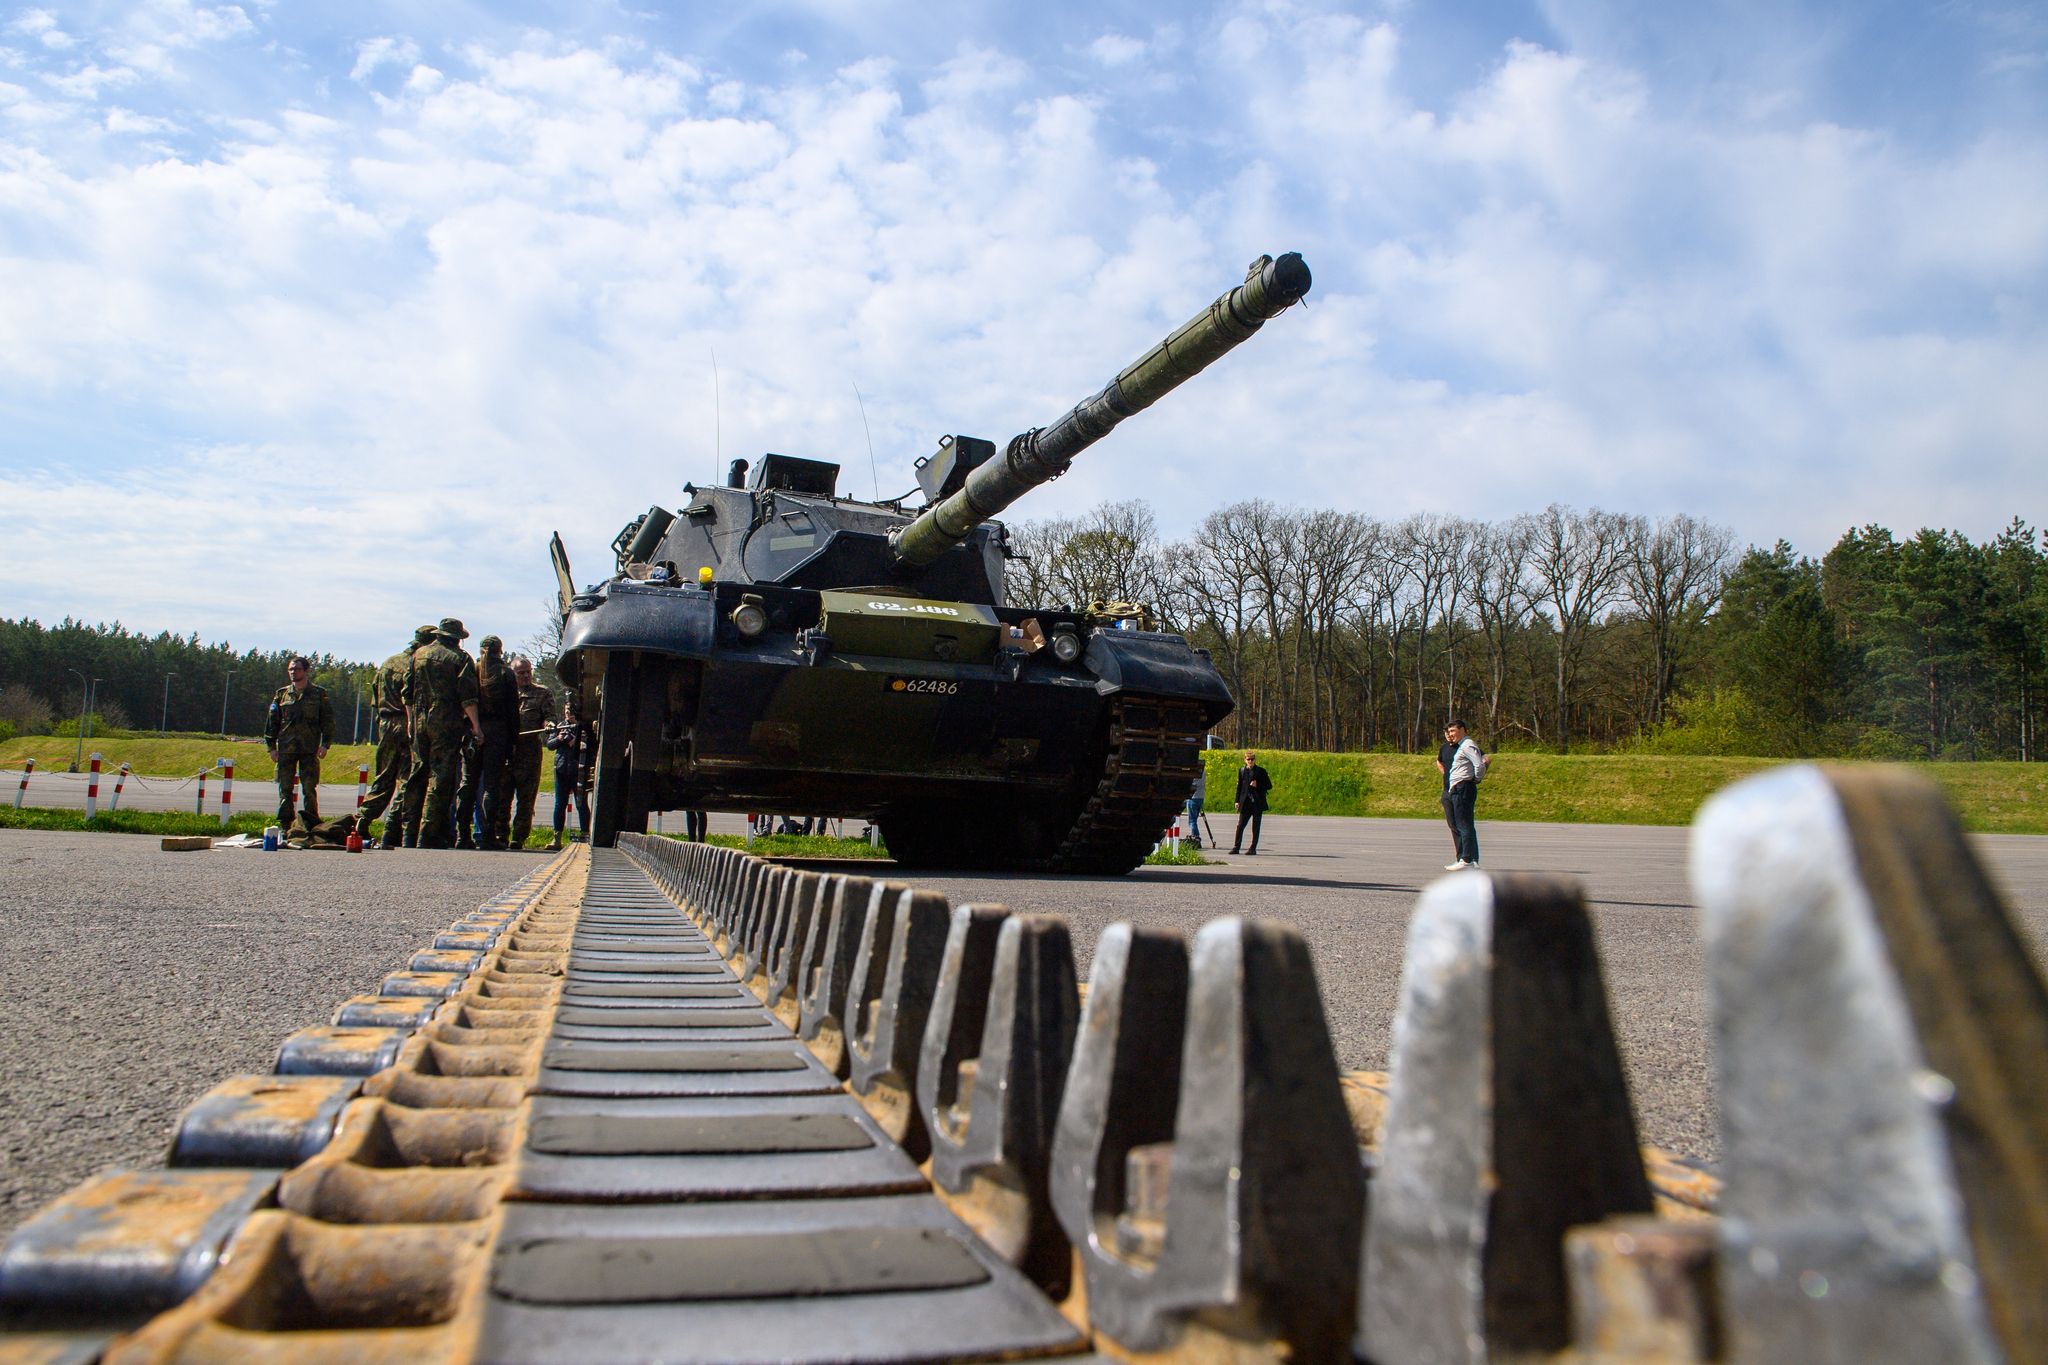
(127, 121)
(373, 53)
(490, 291)
(1116, 49)
(41, 25)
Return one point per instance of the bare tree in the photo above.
(1433, 551)
(1499, 589)
(1109, 554)
(1576, 560)
(1028, 573)
(1214, 577)
(1672, 574)
(544, 646)
(1334, 549)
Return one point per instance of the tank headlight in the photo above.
(1066, 646)
(750, 618)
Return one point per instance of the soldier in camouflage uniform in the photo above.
(297, 732)
(440, 710)
(394, 745)
(535, 702)
(484, 781)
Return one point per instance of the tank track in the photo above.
(618, 1113)
(1155, 750)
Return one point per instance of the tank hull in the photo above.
(985, 764)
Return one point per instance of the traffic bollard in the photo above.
(21, 792)
(92, 789)
(362, 784)
(120, 781)
(227, 788)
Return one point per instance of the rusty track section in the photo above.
(1155, 747)
(680, 1104)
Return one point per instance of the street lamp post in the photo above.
(163, 722)
(224, 702)
(82, 690)
(91, 711)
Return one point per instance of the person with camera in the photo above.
(572, 742)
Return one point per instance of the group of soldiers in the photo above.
(465, 738)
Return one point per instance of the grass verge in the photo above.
(130, 821)
(1617, 789)
(1624, 789)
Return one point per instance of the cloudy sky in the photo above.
(315, 320)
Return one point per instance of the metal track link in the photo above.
(673, 1102)
(1155, 750)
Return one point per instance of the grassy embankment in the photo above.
(1622, 789)
(1628, 789)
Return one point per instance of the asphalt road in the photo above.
(136, 979)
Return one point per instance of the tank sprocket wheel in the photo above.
(1154, 752)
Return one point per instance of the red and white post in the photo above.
(21, 793)
(120, 781)
(227, 788)
(362, 784)
(199, 805)
(92, 789)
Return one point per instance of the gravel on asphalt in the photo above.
(135, 979)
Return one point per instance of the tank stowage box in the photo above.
(778, 647)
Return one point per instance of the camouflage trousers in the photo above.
(525, 790)
(430, 786)
(394, 757)
(493, 798)
(304, 771)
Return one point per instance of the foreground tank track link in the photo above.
(1155, 750)
(754, 1084)
(247, 1195)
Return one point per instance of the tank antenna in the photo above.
(717, 423)
(873, 477)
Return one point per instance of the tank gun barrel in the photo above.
(1043, 453)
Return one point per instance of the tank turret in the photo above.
(1270, 286)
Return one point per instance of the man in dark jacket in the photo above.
(535, 702)
(1253, 783)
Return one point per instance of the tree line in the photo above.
(143, 683)
(1572, 628)
(1336, 631)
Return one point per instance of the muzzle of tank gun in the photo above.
(1271, 285)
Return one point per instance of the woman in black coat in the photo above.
(1253, 783)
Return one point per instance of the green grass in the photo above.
(1619, 789)
(180, 756)
(798, 846)
(1627, 789)
(131, 821)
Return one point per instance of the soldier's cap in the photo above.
(450, 626)
(423, 634)
(490, 642)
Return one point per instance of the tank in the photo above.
(775, 646)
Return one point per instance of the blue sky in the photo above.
(316, 319)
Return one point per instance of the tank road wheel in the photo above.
(624, 787)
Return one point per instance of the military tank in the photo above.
(775, 646)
